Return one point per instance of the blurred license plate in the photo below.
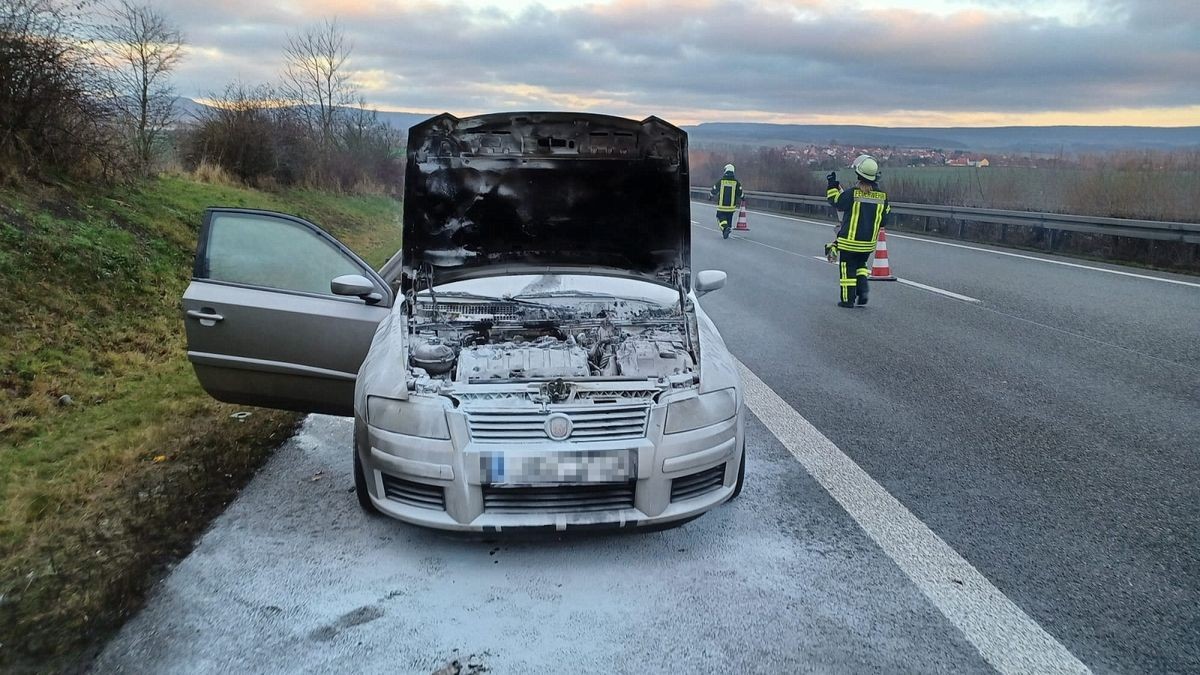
(598, 466)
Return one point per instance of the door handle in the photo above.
(204, 316)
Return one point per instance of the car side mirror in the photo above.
(709, 281)
(354, 284)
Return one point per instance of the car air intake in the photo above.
(558, 498)
(699, 483)
(419, 495)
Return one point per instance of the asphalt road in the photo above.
(1045, 430)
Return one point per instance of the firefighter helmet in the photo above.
(728, 168)
(866, 167)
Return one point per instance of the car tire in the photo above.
(360, 487)
(741, 479)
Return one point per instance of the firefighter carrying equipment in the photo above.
(728, 193)
(866, 167)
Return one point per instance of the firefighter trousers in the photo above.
(726, 219)
(854, 274)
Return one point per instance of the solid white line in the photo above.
(776, 215)
(752, 241)
(892, 235)
(1004, 634)
(935, 289)
(1046, 260)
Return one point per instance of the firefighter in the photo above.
(728, 193)
(864, 212)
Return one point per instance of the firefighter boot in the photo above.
(862, 290)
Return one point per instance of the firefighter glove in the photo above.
(832, 179)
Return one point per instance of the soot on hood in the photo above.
(549, 192)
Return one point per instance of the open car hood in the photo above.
(521, 193)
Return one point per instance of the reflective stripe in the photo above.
(832, 193)
(878, 222)
(845, 284)
(863, 272)
(854, 246)
(853, 231)
(727, 199)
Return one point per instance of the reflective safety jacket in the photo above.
(727, 192)
(863, 213)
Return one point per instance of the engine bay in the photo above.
(499, 340)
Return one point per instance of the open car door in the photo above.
(279, 314)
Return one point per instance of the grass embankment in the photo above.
(98, 494)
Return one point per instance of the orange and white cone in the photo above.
(742, 225)
(881, 270)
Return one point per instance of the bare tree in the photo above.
(316, 80)
(53, 114)
(141, 47)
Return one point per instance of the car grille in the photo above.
(698, 483)
(558, 498)
(414, 494)
(590, 423)
(593, 393)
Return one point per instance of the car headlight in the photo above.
(413, 417)
(701, 411)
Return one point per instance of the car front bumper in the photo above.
(437, 483)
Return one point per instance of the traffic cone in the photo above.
(880, 269)
(742, 226)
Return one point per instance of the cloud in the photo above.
(729, 59)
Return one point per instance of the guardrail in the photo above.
(1119, 227)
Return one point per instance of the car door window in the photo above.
(271, 252)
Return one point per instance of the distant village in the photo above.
(834, 156)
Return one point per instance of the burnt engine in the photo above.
(590, 349)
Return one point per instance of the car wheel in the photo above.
(360, 487)
(741, 479)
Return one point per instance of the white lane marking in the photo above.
(1046, 260)
(892, 235)
(752, 241)
(935, 289)
(932, 289)
(776, 215)
(1004, 634)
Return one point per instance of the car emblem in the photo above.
(559, 427)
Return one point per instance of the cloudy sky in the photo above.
(898, 62)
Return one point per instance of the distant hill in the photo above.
(995, 139)
(188, 109)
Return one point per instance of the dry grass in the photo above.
(213, 174)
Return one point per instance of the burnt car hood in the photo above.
(520, 193)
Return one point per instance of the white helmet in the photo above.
(728, 168)
(866, 167)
